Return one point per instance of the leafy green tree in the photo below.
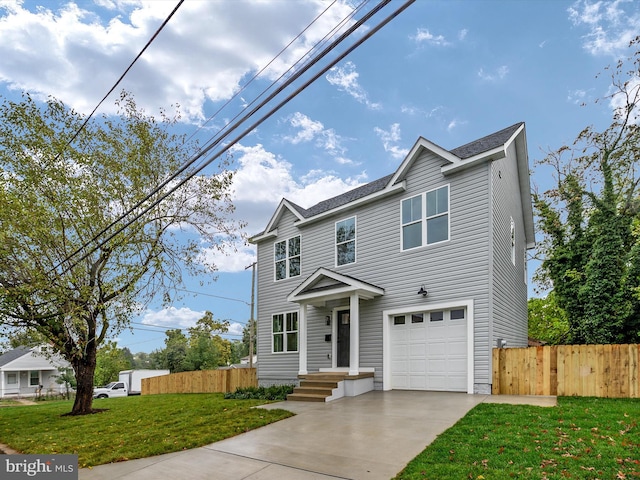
(144, 360)
(174, 352)
(110, 360)
(238, 351)
(547, 321)
(591, 245)
(60, 275)
(207, 349)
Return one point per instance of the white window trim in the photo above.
(284, 333)
(17, 376)
(30, 378)
(287, 259)
(424, 219)
(355, 241)
(512, 238)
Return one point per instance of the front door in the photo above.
(344, 327)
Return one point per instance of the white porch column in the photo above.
(354, 334)
(302, 339)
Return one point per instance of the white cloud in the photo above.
(182, 318)
(577, 96)
(619, 101)
(261, 181)
(345, 77)
(307, 129)
(172, 317)
(390, 139)
(499, 74)
(312, 130)
(611, 24)
(425, 36)
(455, 123)
(76, 55)
(462, 34)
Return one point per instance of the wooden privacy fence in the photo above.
(201, 381)
(568, 370)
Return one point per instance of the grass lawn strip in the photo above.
(133, 427)
(581, 438)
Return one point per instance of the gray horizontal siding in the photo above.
(509, 294)
(451, 271)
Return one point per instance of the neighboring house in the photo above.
(28, 371)
(411, 279)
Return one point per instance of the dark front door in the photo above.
(344, 320)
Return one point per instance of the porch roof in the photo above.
(324, 285)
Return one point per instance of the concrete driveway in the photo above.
(372, 436)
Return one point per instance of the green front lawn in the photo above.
(133, 427)
(581, 438)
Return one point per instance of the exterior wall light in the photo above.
(423, 291)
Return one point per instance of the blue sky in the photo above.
(450, 71)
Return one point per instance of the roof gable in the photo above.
(14, 354)
(489, 147)
(325, 284)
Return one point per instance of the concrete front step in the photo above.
(305, 397)
(316, 387)
(318, 384)
(312, 390)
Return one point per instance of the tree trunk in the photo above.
(84, 369)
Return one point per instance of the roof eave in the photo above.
(459, 165)
(390, 189)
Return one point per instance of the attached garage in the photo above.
(430, 350)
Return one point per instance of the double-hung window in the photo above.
(287, 258)
(346, 241)
(34, 378)
(285, 332)
(425, 218)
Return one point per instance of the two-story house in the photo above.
(407, 282)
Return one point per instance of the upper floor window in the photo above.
(513, 242)
(287, 258)
(346, 241)
(425, 218)
(285, 332)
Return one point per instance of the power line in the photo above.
(207, 162)
(215, 296)
(214, 142)
(149, 42)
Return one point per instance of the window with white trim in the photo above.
(34, 378)
(425, 218)
(513, 241)
(287, 258)
(12, 378)
(285, 332)
(346, 241)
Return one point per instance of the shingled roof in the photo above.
(468, 150)
(12, 355)
(487, 143)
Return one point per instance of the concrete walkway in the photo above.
(372, 436)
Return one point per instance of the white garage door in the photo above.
(429, 351)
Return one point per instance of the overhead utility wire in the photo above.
(190, 162)
(244, 87)
(261, 120)
(301, 60)
(121, 78)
